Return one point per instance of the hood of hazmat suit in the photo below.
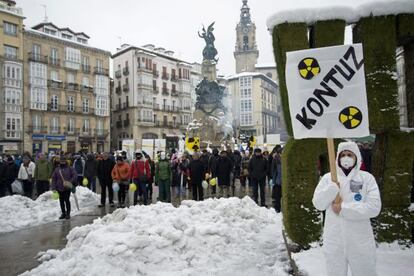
(348, 238)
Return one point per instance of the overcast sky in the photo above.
(166, 23)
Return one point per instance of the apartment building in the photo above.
(11, 74)
(152, 95)
(66, 103)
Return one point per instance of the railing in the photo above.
(101, 132)
(125, 105)
(125, 87)
(37, 129)
(54, 130)
(71, 131)
(165, 91)
(38, 58)
(118, 74)
(11, 9)
(11, 57)
(71, 109)
(54, 84)
(71, 86)
(125, 71)
(54, 61)
(155, 73)
(85, 132)
(145, 120)
(165, 76)
(143, 69)
(86, 68)
(101, 71)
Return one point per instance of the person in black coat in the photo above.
(223, 170)
(212, 165)
(197, 171)
(9, 175)
(104, 171)
(91, 171)
(3, 185)
(257, 172)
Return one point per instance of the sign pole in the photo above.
(332, 164)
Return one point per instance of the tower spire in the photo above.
(245, 14)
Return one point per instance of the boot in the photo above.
(62, 216)
(67, 216)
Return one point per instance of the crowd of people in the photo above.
(174, 173)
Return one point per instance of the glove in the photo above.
(73, 190)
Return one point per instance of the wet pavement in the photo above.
(18, 249)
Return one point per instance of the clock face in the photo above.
(245, 30)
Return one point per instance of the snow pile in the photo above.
(19, 212)
(212, 237)
(392, 260)
(349, 14)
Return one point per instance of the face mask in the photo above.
(162, 156)
(347, 162)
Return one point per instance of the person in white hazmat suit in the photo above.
(348, 238)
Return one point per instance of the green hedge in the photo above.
(379, 38)
(327, 33)
(287, 37)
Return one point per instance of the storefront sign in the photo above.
(55, 138)
(38, 136)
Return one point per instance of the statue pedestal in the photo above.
(208, 70)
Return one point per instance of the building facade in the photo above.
(11, 72)
(66, 103)
(152, 96)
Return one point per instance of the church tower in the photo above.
(246, 52)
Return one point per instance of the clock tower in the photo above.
(246, 52)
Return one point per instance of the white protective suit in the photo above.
(348, 237)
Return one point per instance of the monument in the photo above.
(210, 122)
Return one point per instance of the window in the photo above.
(54, 103)
(86, 125)
(85, 106)
(72, 58)
(71, 104)
(54, 75)
(99, 63)
(37, 122)
(99, 127)
(67, 36)
(12, 127)
(10, 28)
(10, 52)
(54, 56)
(85, 81)
(50, 31)
(71, 125)
(82, 40)
(70, 77)
(54, 125)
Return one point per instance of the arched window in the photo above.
(245, 42)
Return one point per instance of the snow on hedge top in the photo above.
(212, 237)
(349, 14)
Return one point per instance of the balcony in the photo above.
(71, 131)
(85, 132)
(145, 122)
(155, 73)
(85, 110)
(12, 82)
(125, 105)
(85, 88)
(144, 70)
(102, 133)
(54, 61)
(37, 129)
(174, 92)
(101, 71)
(125, 71)
(86, 68)
(9, 107)
(165, 76)
(165, 91)
(118, 74)
(126, 122)
(118, 90)
(37, 58)
(174, 78)
(54, 129)
(53, 107)
(54, 84)
(125, 87)
(12, 134)
(11, 57)
(155, 90)
(119, 124)
(71, 86)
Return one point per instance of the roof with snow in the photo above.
(251, 74)
(349, 14)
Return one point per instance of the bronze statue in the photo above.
(209, 51)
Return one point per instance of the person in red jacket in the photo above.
(140, 173)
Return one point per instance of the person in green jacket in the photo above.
(42, 174)
(163, 178)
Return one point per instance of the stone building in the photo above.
(152, 95)
(11, 74)
(66, 99)
(254, 90)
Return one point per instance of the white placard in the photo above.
(326, 90)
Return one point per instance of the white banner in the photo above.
(327, 95)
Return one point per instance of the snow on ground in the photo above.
(392, 260)
(212, 237)
(19, 212)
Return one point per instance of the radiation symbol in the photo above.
(350, 117)
(192, 143)
(309, 68)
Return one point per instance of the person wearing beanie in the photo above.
(163, 178)
(105, 167)
(42, 174)
(120, 174)
(61, 176)
(348, 238)
(140, 173)
(257, 173)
